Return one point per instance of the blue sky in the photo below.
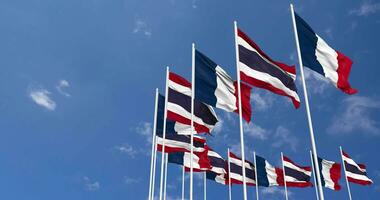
(77, 88)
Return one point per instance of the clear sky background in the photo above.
(77, 85)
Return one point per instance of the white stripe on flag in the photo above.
(326, 166)
(268, 79)
(328, 58)
(292, 166)
(178, 144)
(225, 91)
(179, 88)
(358, 176)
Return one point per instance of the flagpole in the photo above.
(283, 169)
(229, 175)
(345, 173)
(315, 180)
(166, 174)
(192, 117)
(183, 182)
(240, 113)
(151, 184)
(313, 145)
(164, 134)
(204, 186)
(256, 178)
(154, 166)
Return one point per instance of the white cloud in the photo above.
(194, 4)
(283, 137)
(316, 83)
(262, 100)
(126, 149)
(366, 8)
(356, 115)
(142, 28)
(274, 191)
(256, 131)
(145, 129)
(130, 180)
(91, 185)
(328, 32)
(62, 84)
(41, 97)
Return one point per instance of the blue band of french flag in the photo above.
(321, 58)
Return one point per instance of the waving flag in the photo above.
(295, 175)
(179, 107)
(216, 88)
(219, 178)
(330, 172)
(356, 173)
(321, 58)
(174, 142)
(236, 170)
(200, 161)
(267, 175)
(258, 69)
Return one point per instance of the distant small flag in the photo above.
(267, 175)
(236, 171)
(295, 175)
(356, 173)
(200, 161)
(321, 58)
(216, 88)
(330, 172)
(258, 69)
(179, 107)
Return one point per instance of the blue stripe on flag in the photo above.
(176, 158)
(308, 45)
(261, 172)
(205, 79)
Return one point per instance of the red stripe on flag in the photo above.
(245, 99)
(360, 182)
(335, 175)
(179, 80)
(344, 68)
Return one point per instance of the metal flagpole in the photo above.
(315, 180)
(164, 134)
(240, 112)
(166, 174)
(283, 169)
(314, 148)
(154, 167)
(229, 175)
(192, 118)
(151, 184)
(204, 186)
(183, 182)
(256, 178)
(345, 173)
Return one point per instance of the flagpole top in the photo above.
(156, 90)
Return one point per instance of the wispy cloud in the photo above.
(141, 27)
(62, 85)
(283, 137)
(262, 100)
(366, 8)
(356, 115)
(256, 131)
(194, 4)
(91, 185)
(316, 83)
(126, 149)
(145, 129)
(42, 98)
(274, 191)
(130, 180)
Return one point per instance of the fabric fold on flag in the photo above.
(321, 58)
(295, 175)
(236, 171)
(259, 70)
(267, 175)
(356, 173)
(215, 87)
(179, 108)
(330, 172)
